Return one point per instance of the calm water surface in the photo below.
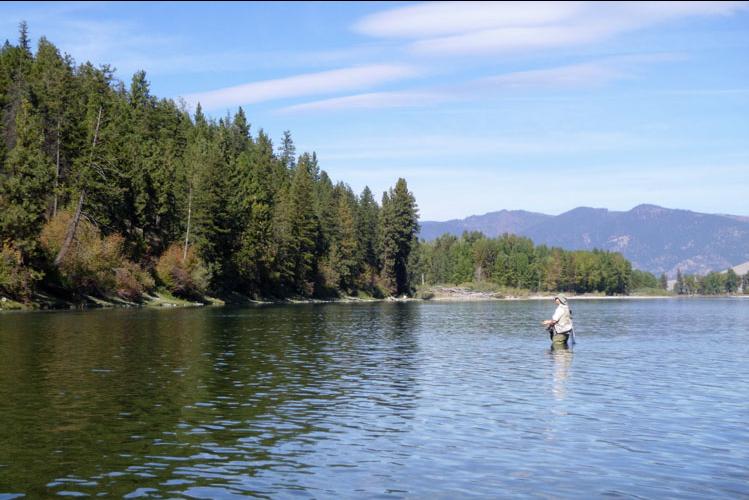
(410, 400)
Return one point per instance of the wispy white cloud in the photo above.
(465, 28)
(180, 60)
(83, 30)
(573, 76)
(582, 75)
(706, 92)
(376, 100)
(448, 18)
(455, 147)
(324, 82)
(508, 40)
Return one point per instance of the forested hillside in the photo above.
(515, 262)
(107, 189)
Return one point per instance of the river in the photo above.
(413, 400)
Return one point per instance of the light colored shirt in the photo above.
(563, 319)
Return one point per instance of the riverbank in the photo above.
(463, 294)
(162, 299)
(45, 301)
(41, 301)
(467, 294)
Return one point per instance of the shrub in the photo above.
(185, 277)
(16, 280)
(132, 281)
(94, 264)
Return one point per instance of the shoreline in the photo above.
(442, 294)
(460, 294)
(160, 300)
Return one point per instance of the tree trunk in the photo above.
(57, 171)
(187, 233)
(71, 231)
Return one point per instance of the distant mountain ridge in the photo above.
(653, 238)
(492, 224)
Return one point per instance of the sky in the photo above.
(480, 106)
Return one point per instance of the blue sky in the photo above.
(542, 107)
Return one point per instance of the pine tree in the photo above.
(287, 151)
(679, 287)
(399, 225)
(52, 85)
(663, 282)
(256, 253)
(213, 219)
(26, 181)
(304, 231)
(196, 153)
(732, 281)
(326, 206)
(15, 71)
(23, 38)
(345, 248)
(200, 119)
(367, 227)
(242, 131)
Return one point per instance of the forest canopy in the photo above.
(108, 189)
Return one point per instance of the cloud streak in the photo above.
(324, 82)
(582, 75)
(449, 18)
(573, 76)
(451, 147)
(373, 100)
(482, 28)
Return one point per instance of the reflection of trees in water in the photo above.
(92, 392)
(150, 396)
(309, 375)
(394, 363)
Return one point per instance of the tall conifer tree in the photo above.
(25, 184)
(399, 225)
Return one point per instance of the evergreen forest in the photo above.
(106, 189)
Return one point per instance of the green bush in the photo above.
(132, 281)
(94, 264)
(184, 275)
(16, 280)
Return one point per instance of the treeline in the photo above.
(714, 283)
(514, 262)
(105, 188)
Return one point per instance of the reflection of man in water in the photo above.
(562, 356)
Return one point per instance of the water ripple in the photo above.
(379, 400)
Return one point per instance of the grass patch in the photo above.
(163, 298)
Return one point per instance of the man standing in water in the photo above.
(560, 324)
